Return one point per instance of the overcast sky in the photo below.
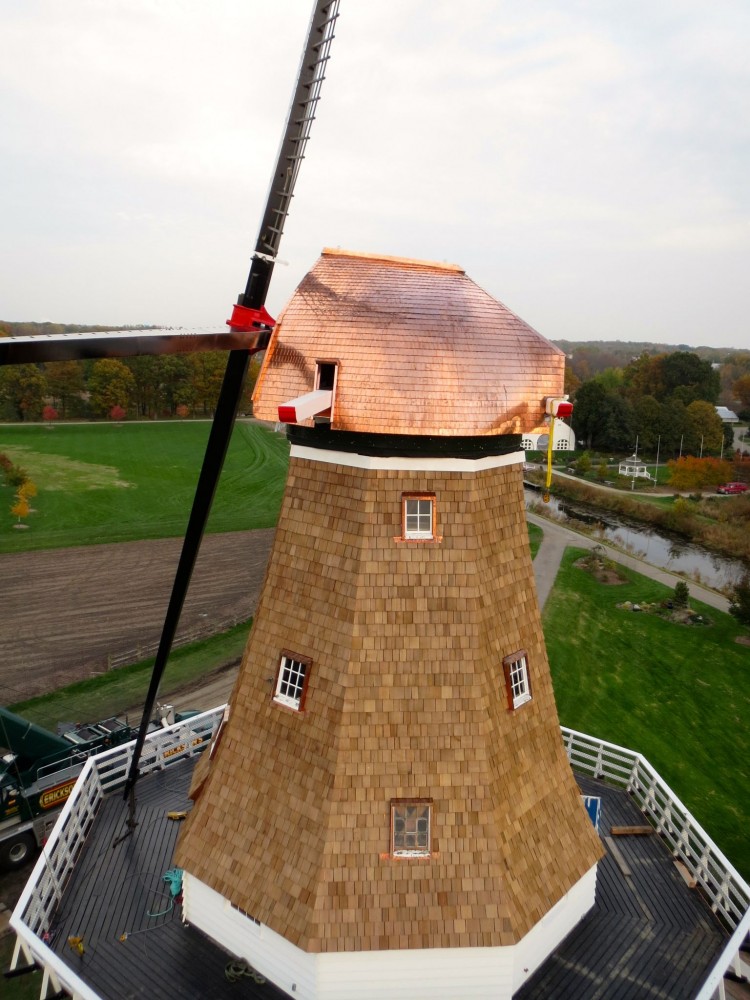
(587, 163)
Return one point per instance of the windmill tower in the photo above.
(388, 803)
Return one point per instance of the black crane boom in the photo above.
(248, 314)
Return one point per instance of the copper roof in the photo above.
(420, 348)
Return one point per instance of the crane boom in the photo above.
(248, 314)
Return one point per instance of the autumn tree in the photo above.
(20, 509)
(23, 388)
(705, 431)
(49, 413)
(644, 377)
(64, 383)
(691, 473)
(741, 391)
(111, 383)
(206, 376)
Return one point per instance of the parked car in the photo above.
(732, 488)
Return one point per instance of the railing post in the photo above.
(720, 902)
(599, 770)
(633, 784)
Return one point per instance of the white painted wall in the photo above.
(542, 939)
(434, 973)
(289, 968)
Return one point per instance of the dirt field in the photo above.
(63, 611)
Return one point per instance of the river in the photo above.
(655, 547)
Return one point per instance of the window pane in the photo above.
(518, 678)
(418, 517)
(411, 828)
(291, 681)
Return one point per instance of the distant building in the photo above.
(538, 439)
(727, 416)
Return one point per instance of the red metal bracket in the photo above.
(246, 319)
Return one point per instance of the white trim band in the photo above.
(399, 463)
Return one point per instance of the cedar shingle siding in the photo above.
(406, 699)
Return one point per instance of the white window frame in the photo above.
(292, 676)
(417, 516)
(517, 681)
(416, 828)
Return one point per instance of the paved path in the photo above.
(557, 537)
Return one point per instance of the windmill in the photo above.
(388, 806)
(390, 792)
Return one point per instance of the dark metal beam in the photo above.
(126, 344)
(216, 449)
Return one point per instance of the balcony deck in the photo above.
(135, 942)
(648, 936)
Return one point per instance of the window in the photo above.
(326, 374)
(527, 444)
(410, 828)
(517, 684)
(419, 516)
(291, 682)
(562, 444)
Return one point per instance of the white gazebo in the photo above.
(634, 467)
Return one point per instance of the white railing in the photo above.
(104, 772)
(726, 890)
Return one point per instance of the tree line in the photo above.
(665, 401)
(140, 387)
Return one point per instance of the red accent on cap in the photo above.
(287, 415)
(244, 318)
(564, 409)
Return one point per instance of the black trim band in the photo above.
(403, 445)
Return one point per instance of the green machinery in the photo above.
(38, 773)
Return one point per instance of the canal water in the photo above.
(644, 542)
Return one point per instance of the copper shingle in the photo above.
(421, 349)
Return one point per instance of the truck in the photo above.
(37, 774)
(39, 769)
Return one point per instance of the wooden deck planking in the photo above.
(648, 936)
(617, 951)
(129, 954)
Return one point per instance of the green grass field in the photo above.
(679, 695)
(119, 690)
(121, 482)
